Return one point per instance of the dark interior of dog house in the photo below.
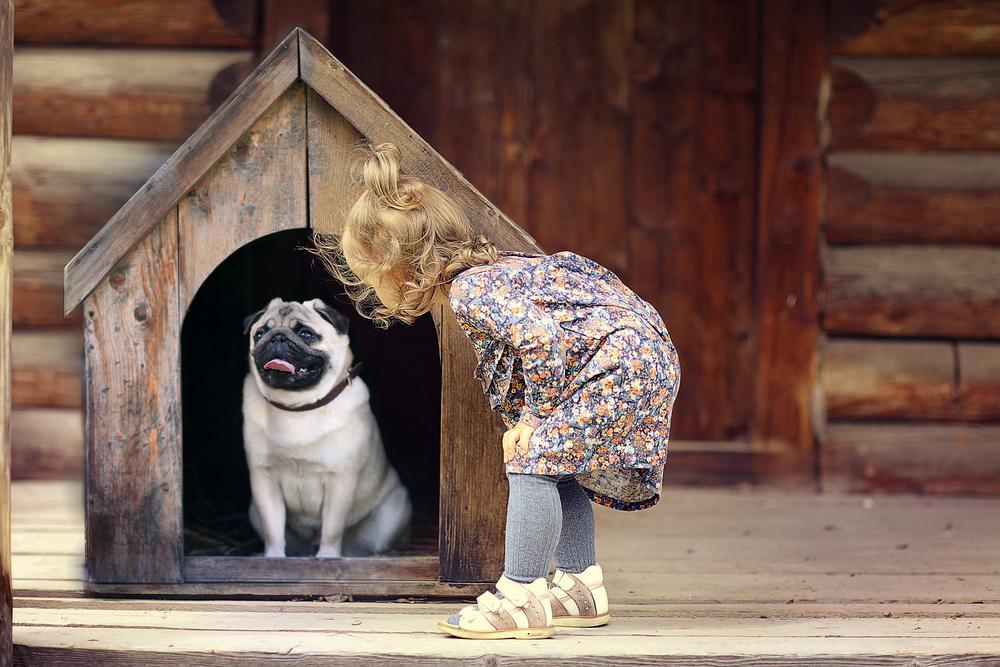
(400, 366)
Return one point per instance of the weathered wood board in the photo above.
(707, 577)
(333, 145)
(902, 197)
(789, 173)
(47, 443)
(37, 297)
(692, 98)
(925, 104)
(66, 188)
(122, 93)
(471, 534)
(47, 368)
(138, 22)
(913, 291)
(943, 458)
(908, 28)
(175, 177)
(132, 335)
(257, 188)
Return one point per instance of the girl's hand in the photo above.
(516, 440)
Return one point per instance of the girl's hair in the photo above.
(406, 233)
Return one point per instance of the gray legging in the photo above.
(547, 516)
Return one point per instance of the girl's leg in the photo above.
(575, 550)
(534, 519)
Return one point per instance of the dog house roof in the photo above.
(300, 56)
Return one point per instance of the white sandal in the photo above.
(579, 600)
(516, 611)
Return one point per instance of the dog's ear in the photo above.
(338, 320)
(250, 319)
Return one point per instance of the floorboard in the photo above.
(708, 577)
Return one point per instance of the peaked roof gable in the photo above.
(298, 56)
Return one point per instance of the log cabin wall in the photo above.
(911, 362)
(104, 92)
(627, 130)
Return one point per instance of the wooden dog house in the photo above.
(215, 229)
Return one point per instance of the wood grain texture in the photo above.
(374, 119)
(926, 104)
(332, 145)
(121, 93)
(913, 291)
(471, 533)
(915, 28)
(234, 569)
(133, 416)
(880, 379)
(256, 188)
(47, 443)
(900, 197)
(137, 22)
(729, 577)
(979, 380)
(690, 198)
(945, 458)
(6, 320)
(66, 188)
(47, 368)
(38, 296)
(189, 163)
(279, 18)
(790, 176)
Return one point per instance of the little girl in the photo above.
(581, 370)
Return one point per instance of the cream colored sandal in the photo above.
(516, 611)
(579, 600)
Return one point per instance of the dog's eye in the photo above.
(308, 335)
(257, 336)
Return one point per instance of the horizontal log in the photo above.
(47, 368)
(888, 379)
(936, 104)
(136, 22)
(38, 289)
(979, 379)
(65, 188)
(46, 443)
(927, 458)
(121, 93)
(913, 291)
(924, 27)
(892, 197)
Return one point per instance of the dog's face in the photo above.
(294, 345)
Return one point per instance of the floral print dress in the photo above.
(565, 347)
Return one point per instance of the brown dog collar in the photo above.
(334, 392)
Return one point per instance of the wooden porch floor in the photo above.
(707, 577)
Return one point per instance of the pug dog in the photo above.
(318, 470)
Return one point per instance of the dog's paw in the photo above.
(328, 552)
(274, 552)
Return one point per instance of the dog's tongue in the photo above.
(280, 365)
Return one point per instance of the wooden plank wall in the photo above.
(620, 129)
(103, 94)
(911, 365)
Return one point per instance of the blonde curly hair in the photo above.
(402, 235)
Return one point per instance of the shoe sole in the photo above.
(580, 621)
(520, 633)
